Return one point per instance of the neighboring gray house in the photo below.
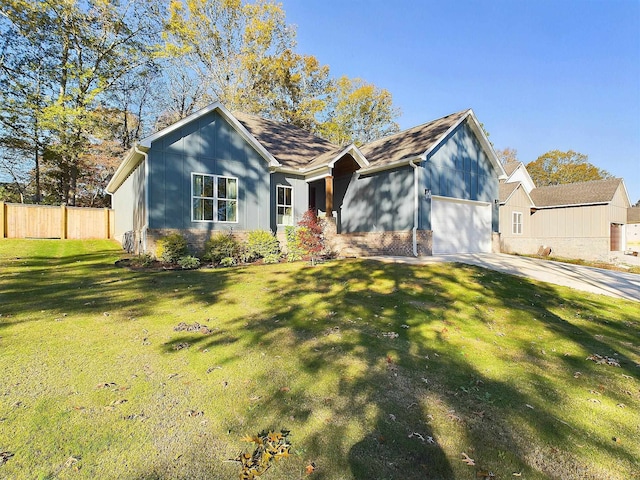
(430, 189)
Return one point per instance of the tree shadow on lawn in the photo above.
(37, 288)
(412, 384)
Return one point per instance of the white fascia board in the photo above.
(626, 194)
(446, 134)
(128, 165)
(475, 126)
(132, 159)
(459, 200)
(548, 207)
(355, 152)
(228, 116)
(520, 185)
(484, 141)
(319, 175)
(389, 166)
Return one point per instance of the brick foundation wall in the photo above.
(360, 244)
(363, 244)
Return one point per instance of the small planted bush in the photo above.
(222, 246)
(263, 244)
(189, 262)
(171, 248)
(311, 235)
(295, 250)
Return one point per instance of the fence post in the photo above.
(2, 217)
(106, 223)
(63, 226)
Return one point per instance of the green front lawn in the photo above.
(380, 371)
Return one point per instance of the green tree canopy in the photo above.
(556, 167)
(358, 112)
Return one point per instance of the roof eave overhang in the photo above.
(129, 164)
(589, 204)
(486, 145)
(398, 163)
(324, 170)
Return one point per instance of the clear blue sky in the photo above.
(541, 75)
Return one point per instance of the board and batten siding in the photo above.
(300, 191)
(574, 232)
(618, 207)
(518, 202)
(129, 202)
(460, 168)
(207, 145)
(384, 201)
(381, 202)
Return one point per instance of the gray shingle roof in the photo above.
(409, 143)
(506, 189)
(293, 147)
(511, 166)
(582, 193)
(633, 215)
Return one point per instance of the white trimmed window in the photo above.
(214, 198)
(284, 205)
(517, 223)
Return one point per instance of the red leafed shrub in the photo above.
(311, 234)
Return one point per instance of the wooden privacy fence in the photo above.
(43, 221)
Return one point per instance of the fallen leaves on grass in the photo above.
(485, 474)
(603, 360)
(428, 439)
(136, 416)
(468, 460)
(72, 462)
(270, 446)
(106, 385)
(5, 456)
(181, 345)
(194, 327)
(309, 469)
(194, 413)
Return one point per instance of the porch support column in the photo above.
(328, 186)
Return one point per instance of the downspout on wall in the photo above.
(415, 207)
(143, 233)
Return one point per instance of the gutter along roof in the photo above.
(294, 150)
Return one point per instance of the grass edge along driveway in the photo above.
(379, 371)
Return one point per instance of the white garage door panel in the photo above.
(460, 227)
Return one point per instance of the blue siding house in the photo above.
(428, 190)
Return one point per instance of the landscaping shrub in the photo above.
(295, 251)
(227, 262)
(189, 262)
(263, 244)
(222, 246)
(311, 235)
(171, 248)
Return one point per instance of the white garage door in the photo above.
(460, 227)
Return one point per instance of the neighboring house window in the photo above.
(284, 204)
(517, 223)
(214, 198)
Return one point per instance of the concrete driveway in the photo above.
(594, 280)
